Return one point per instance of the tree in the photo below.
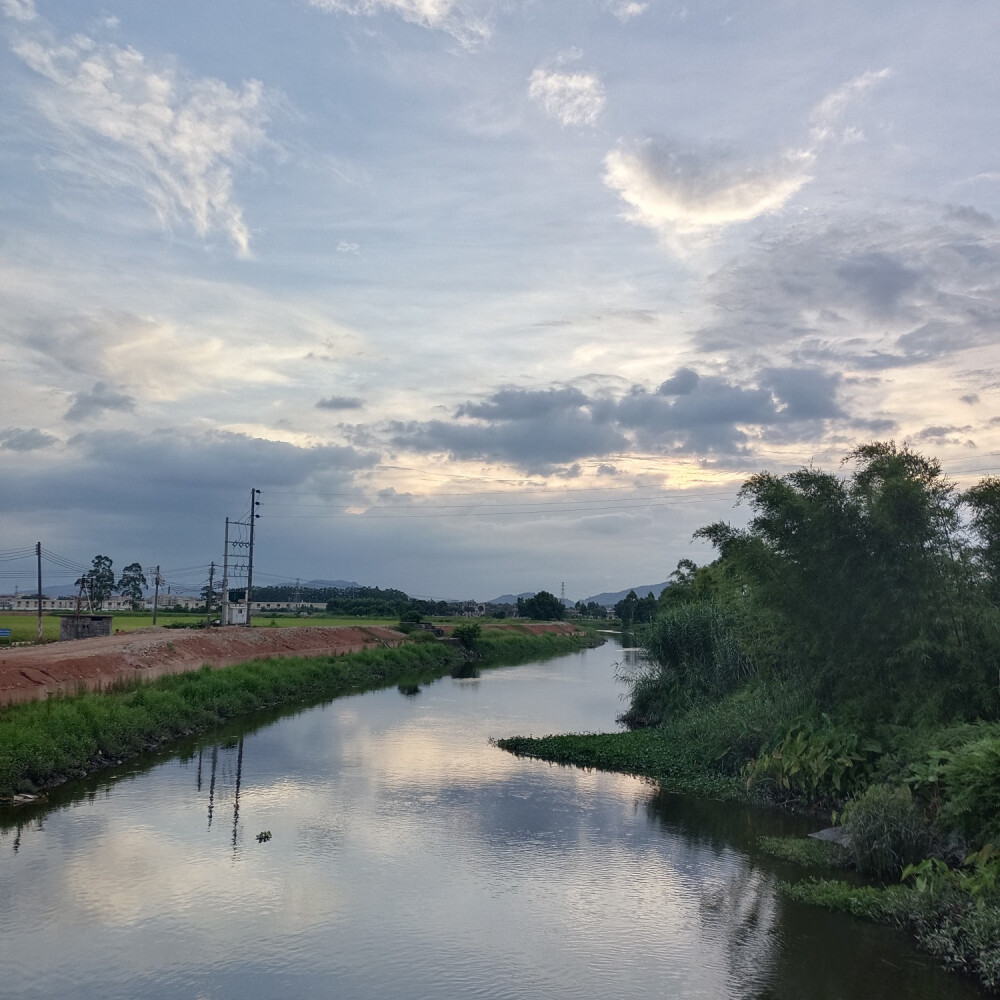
(131, 585)
(210, 595)
(98, 581)
(856, 581)
(543, 605)
(635, 610)
(984, 502)
(626, 608)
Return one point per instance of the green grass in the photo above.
(44, 743)
(807, 852)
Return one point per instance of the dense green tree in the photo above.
(984, 503)
(131, 584)
(98, 583)
(543, 605)
(635, 610)
(857, 581)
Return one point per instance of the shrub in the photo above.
(468, 635)
(971, 780)
(887, 832)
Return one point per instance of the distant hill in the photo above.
(511, 598)
(607, 600)
(339, 584)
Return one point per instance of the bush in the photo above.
(887, 832)
(971, 780)
(468, 635)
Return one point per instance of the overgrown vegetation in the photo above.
(43, 743)
(841, 654)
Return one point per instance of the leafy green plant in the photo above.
(817, 763)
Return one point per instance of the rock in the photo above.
(833, 835)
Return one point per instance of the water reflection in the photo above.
(410, 858)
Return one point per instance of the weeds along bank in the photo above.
(841, 655)
(45, 743)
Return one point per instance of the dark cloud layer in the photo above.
(19, 439)
(340, 403)
(871, 294)
(101, 398)
(690, 413)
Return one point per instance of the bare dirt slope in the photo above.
(65, 667)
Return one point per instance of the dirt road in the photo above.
(66, 667)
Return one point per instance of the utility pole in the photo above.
(38, 553)
(254, 504)
(224, 600)
(156, 591)
(208, 599)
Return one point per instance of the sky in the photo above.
(484, 296)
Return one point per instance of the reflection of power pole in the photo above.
(239, 780)
(211, 787)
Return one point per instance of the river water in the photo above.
(409, 858)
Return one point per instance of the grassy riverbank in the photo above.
(45, 743)
(840, 655)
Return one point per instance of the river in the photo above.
(409, 858)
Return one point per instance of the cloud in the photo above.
(625, 10)
(710, 420)
(469, 21)
(534, 430)
(199, 460)
(879, 280)
(683, 382)
(868, 292)
(804, 393)
(689, 190)
(100, 399)
(547, 430)
(523, 404)
(19, 10)
(130, 123)
(18, 439)
(827, 115)
(340, 403)
(569, 98)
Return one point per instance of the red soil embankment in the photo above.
(66, 667)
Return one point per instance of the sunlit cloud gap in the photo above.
(480, 512)
(537, 505)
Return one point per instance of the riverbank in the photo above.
(919, 799)
(44, 743)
